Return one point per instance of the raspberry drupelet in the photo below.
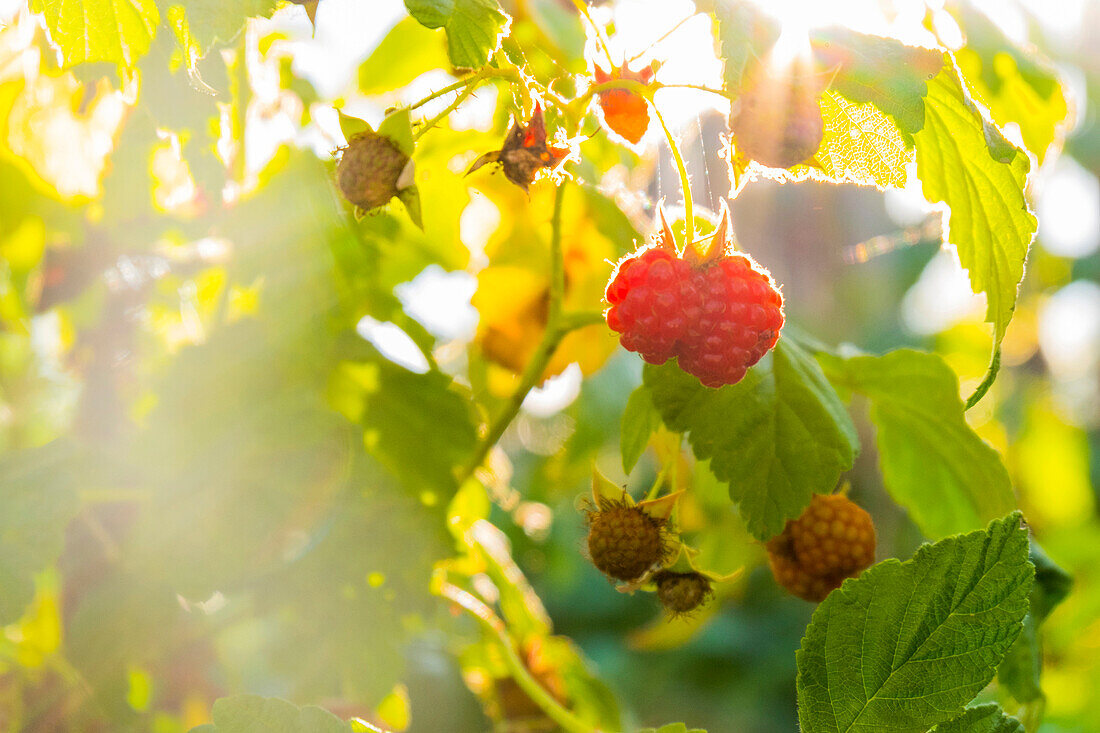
(718, 314)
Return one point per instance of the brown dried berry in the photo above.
(624, 541)
(526, 151)
(777, 119)
(682, 593)
(834, 539)
(369, 170)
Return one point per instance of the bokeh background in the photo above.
(858, 267)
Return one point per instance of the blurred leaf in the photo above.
(883, 71)
(117, 31)
(907, 644)
(988, 718)
(217, 22)
(861, 144)
(1017, 85)
(640, 420)
(255, 714)
(672, 728)
(417, 425)
(777, 437)
(363, 579)
(1022, 667)
(964, 162)
(474, 27)
(36, 504)
(407, 51)
(932, 461)
(745, 33)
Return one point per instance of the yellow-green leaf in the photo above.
(115, 31)
(963, 161)
(861, 145)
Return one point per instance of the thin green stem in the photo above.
(990, 377)
(685, 183)
(698, 87)
(601, 38)
(450, 108)
(447, 90)
(557, 326)
(523, 677)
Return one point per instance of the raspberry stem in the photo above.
(558, 326)
(685, 183)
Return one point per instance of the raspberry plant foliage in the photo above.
(239, 456)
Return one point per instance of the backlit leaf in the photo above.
(964, 162)
(116, 31)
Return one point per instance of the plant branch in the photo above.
(538, 694)
(557, 327)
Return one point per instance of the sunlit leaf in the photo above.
(214, 22)
(407, 51)
(907, 644)
(965, 163)
(474, 27)
(861, 144)
(117, 31)
(883, 71)
(1017, 85)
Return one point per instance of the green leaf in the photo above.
(217, 22)
(964, 161)
(415, 424)
(988, 718)
(255, 714)
(640, 420)
(407, 51)
(474, 27)
(672, 728)
(115, 31)
(1022, 667)
(37, 502)
(777, 437)
(892, 76)
(1016, 85)
(932, 462)
(907, 644)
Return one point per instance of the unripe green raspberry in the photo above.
(682, 593)
(624, 541)
(369, 170)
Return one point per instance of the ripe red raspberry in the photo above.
(740, 320)
(719, 314)
(370, 169)
(682, 593)
(834, 539)
(777, 119)
(624, 541)
(649, 294)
